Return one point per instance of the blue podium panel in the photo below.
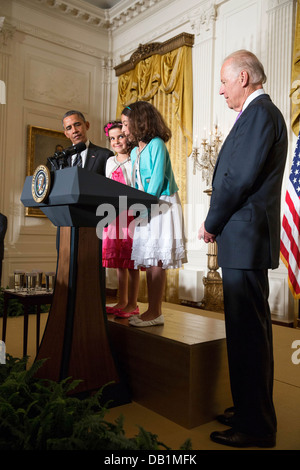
(76, 194)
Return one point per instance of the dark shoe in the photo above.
(233, 438)
(227, 417)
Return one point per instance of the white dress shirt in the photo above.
(251, 97)
(83, 154)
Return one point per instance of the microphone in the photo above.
(71, 150)
(59, 159)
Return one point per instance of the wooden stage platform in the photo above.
(178, 370)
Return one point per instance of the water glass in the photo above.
(39, 278)
(31, 282)
(19, 278)
(50, 279)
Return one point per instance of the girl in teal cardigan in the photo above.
(158, 242)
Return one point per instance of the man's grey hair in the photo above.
(246, 60)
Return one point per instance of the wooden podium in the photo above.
(76, 342)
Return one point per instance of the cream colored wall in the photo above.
(71, 65)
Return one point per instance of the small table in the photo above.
(38, 298)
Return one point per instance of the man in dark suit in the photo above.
(244, 219)
(93, 158)
(3, 228)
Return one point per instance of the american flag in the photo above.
(290, 233)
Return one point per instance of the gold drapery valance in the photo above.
(295, 90)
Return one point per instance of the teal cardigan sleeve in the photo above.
(156, 169)
(158, 159)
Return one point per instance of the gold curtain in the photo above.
(170, 73)
(295, 89)
(166, 81)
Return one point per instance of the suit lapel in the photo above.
(90, 158)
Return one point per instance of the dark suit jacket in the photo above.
(246, 189)
(3, 227)
(96, 159)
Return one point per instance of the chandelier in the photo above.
(205, 158)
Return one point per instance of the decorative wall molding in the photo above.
(202, 20)
(92, 16)
(273, 4)
(72, 10)
(124, 12)
(59, 40)
(6, 31)
(146, 50)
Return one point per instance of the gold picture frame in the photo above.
(41, 144)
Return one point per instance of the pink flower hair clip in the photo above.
(107, 127)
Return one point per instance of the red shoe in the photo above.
(121, 314)
(112, 310)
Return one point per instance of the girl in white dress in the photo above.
(158, 242)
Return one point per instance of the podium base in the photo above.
(75, 341)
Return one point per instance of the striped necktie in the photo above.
(77, 160)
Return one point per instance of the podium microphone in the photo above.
(58, 161)
(71, 150)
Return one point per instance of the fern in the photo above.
(38, 414)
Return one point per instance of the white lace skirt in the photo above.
(161, 240)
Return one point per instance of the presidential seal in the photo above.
(40, 186)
